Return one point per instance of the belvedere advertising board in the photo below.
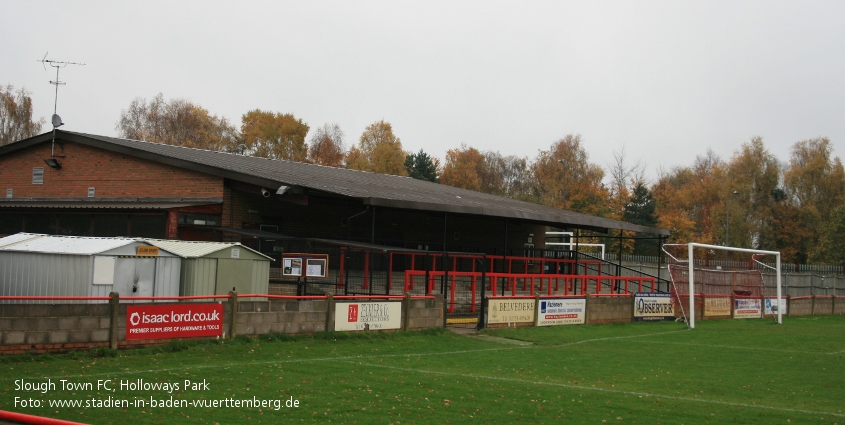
(510, 310)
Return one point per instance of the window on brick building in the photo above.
(199, 219)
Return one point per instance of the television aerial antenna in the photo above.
(58, 65)
(56, 119)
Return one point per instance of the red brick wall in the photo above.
(113, 175)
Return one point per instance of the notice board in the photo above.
(305, 265)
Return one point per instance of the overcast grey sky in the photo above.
(666, 79)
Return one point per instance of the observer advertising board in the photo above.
(173, 321)
(747, 308)
(510, 311)
(651, 306)
(358, 316)
(562, 311)
(717, 306)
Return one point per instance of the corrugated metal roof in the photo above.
(17, 238)
(72, 245)
(193, 249)
(370, 188)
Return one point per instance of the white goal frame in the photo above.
(690, 249)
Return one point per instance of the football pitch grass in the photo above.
(725, 371)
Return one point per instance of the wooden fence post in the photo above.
(114, 312)
(233, 319)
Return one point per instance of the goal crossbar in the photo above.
(691, 263)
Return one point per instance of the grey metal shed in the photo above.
(41, 265)
(210, 268)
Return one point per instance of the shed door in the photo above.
(135, 276)
(234, 274)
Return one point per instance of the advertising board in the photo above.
(747, 308)
(772, 302)
(510, 310)
(173, 320)
(651, 306)
(562, 311)
(717, 306)
(360, 316)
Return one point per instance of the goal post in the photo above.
(692, 271)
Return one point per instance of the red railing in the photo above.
(502, 261)
(622, 282)
(200, 297)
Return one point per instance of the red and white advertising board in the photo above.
(359, 316)
(173, 320)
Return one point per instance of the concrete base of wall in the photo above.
(609, 309)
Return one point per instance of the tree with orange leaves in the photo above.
(564, 178)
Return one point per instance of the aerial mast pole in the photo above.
(56, 120)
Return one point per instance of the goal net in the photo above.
(713, 291)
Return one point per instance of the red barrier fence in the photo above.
(623, 284)
(200, 297)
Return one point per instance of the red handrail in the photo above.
(169, 298)
(284, 297)
(54, 297)
(34, 420)
(198, 297)
(368, 297)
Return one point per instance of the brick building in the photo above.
(81, 184)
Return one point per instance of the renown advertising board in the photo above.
(360, 316)
(173, 320)
(562, 311)
(651, 306)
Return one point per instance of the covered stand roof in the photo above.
(370, 188)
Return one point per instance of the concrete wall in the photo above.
(610, 309)
(425, 313)
(823, 305)
(839, 305)
(63, 327)
(42, 328)
(800, 307)
(277, 316)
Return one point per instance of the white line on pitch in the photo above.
(744, 348)
(329, 359)
(605, 390)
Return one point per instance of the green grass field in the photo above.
(736, 371)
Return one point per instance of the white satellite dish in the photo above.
(57, 121)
